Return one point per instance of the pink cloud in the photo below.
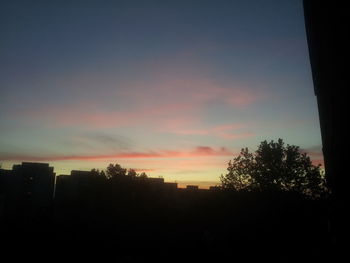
(169, 101)
(72, 116)
(209, 151)
(197, 152)
(174, 104)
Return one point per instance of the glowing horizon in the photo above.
(175, 89)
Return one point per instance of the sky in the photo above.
(172, 88)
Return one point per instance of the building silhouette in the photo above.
(130, 215)
(192, 187)
(328, 40)
(29, 184)
(26, 202)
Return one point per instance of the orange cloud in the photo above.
(145, 169)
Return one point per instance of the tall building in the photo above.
(35, 183)
(29, 184)
(26, 198)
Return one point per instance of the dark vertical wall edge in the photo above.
(327, 34)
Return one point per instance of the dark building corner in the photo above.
(328, 40)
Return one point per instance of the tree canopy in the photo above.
(116, 170)
(274, 167)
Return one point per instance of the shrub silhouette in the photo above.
(275, 167)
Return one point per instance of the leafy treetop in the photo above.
(275, 167)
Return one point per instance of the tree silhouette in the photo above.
(143, 175)
(115, 171)
(274, 167)
(132, 173)
(97, 173)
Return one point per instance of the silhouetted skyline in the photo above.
(174, 88)
(136, 217)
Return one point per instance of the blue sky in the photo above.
(174, 88)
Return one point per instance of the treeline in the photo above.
(116, 170)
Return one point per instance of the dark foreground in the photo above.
(138, 226)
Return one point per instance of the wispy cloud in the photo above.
(144, 103)
(72, 116)
(98, 141)
(197, 152)
(226, 131)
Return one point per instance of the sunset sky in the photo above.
(172, 88)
